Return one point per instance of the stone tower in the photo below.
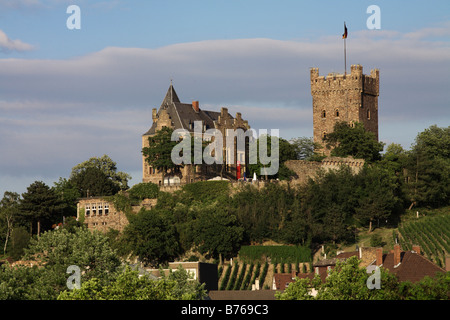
(351, 98)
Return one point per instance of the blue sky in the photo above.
(68, 95)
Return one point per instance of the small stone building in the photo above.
(100, 214)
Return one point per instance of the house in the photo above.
(97, 213)
(203, 272)
(406, 265)
(174, 114)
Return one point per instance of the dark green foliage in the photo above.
(152, 237)
(354, 141)
(376, 241)
(226, 277)
(277, 254)
(216, 232)
(142, 191)
(232, 280)
(40, 207)
(94, 182)
(158, 153)
(286, 151)
(428, 168)
(68, 194)
(20, 238)
(204, 191)
(262, 278)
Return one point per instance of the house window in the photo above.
(94, 209)
(324, 114)
(100, 209)
(88, 210)
(106, 209)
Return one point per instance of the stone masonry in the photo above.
(344, 97)
(100, 214)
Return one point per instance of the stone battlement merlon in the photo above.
(354, 80)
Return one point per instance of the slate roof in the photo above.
(183, 114)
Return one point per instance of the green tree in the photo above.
(429, 288)
(90, 251)
(354, 141)
(347, 281)
(151, 237)
(143, 190)
(41, 205)
(93, 182)
(68, 194)
(106, 165)
(159, 152)
(330, 198)
(286, 151)
(129, 285)
(306, 148)
(377, 199)
(216, 231)
(52, 254)
(9, 211)
(20, 238)
(428, 168)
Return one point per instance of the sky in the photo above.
(69, 94)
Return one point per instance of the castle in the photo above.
(344, 97)
(177, 115)
(350, 98)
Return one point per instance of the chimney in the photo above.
(416, 248)
(154, 115)
(397, 253)
(195, 106)
(379, 256)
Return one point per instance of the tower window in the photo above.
(324, 135)
(368, 114)
(336, 112)
(324, 114)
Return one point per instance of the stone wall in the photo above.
(308, 169)
(101, 215)
(337, 97)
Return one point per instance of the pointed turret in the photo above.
(171, 96)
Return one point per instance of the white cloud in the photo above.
(57, 113)
(7, 44)
(20, 4)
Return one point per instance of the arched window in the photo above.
(336, 112)
(324, 114)
(324, 135)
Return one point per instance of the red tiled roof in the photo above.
(413, 267)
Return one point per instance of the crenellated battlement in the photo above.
(355, 80)
(350, 97)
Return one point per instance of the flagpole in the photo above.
(345, 56)
(344, 36)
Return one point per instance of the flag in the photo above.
(344, 36)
